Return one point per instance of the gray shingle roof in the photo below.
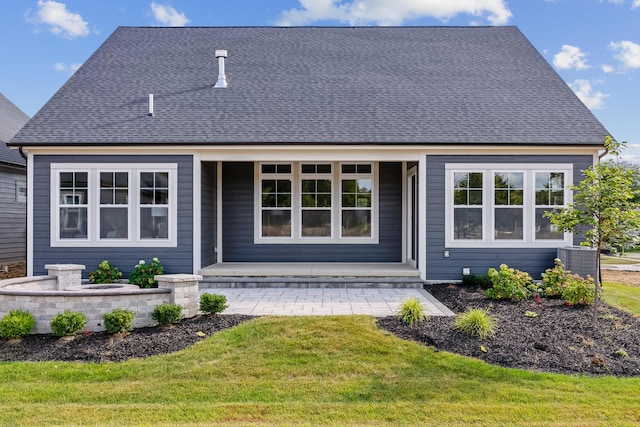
(331, 85)
(11, 120)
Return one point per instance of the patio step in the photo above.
(312, 282)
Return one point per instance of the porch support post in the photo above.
(422, 216)
(197, 213)
(219, 247)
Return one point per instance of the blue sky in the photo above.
(593, 44)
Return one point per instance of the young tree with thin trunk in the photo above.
(604, 208)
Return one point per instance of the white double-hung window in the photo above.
(316, 202)
(113, 204)
(503, 205)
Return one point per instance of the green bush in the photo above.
(477, 322)
(143, 273)
(481, 280)
(105, 273)
(67, 323)
(509, 283)
(411, 311)
(119, 321)
(16, 324)
(579, 291)
(555, 280)
(212, 303)
(166, 314)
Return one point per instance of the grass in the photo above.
(624, 297)
(621, 260)
(308, 371)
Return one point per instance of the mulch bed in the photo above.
(560, 339)
(105, 347)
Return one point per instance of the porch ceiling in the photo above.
(280, 269)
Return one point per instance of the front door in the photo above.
(412, 218)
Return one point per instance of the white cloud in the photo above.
(168, 16)
(64, 68)
(61, 22)
(393, 12)
(628, 53)
(570, 57)
(636, 3)
(584, 90)
(607, 68)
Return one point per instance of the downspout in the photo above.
(24, 156)
(606, 151)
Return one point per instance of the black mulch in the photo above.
(560, 339)
(105, 347)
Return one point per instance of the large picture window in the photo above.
(325, 202)
(504, 205)
(110, 204)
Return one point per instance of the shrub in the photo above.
(166, 314)
(555, 280)
(67, 323)
(579, 291)
(411, 310)
(509, 283)
(477, 322)
(119, 321)
(212, 303)
(143, 273)
(16, 324)
(105, 273)
(481, 280)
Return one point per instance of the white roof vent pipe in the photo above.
(222, 79)
(150, 105)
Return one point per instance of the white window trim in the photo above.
(93, 205)
(488, 205)
(296, 205)
(317, 176)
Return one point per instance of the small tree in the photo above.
(604, 209)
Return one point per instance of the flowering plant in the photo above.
(143, 273)
(105, 273)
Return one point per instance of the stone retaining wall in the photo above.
(44, 297)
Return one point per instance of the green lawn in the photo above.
(626, 298)
(606, 259)
(313, 371)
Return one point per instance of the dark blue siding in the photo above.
(175, 260)
(209, 211)
(238, 217)
(479, 260)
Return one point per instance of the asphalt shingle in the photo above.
(316, 85)
(11, 120)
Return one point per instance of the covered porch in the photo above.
(237, 237)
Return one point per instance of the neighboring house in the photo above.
(13, 187)
(435, 147)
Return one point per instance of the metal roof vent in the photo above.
(222, 79)
(150, 114)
